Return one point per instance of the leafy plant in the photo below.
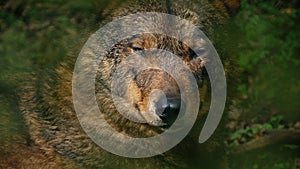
(284, 165)
(256, 130)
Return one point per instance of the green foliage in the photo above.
(284, 165)
(36, 34)
(256, 130)
(268, 55)
(269, 34)
(281, 165)
(276, 122)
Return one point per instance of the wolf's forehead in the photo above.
(165, 42)
(143, 42)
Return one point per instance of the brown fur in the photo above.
(46, 100)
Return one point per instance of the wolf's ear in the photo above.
(232, 6)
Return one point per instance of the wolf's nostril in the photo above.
(170, 110)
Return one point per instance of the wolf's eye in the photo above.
(136, 48)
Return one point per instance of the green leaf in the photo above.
(267, 126)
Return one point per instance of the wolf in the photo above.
(47, 105)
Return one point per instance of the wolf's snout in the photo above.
(169, 110)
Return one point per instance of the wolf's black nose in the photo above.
(171, 110)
